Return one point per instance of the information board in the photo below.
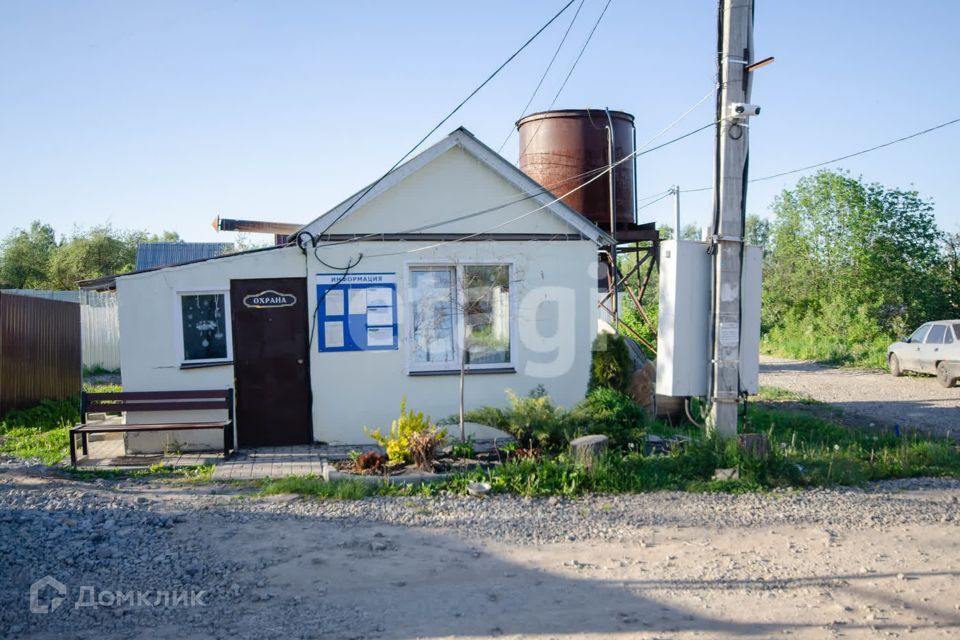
(357, 311)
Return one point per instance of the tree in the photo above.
(757, 231)
(850, 261)
(950, 251)
(689, 232)
(25, 256)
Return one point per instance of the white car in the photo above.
(933, 348)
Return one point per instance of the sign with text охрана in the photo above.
(269, 299)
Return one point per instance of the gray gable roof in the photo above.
(151, 255)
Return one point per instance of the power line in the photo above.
(563, 84)
(609, 167)
(841, 158)
(545, 72)
(450, 115)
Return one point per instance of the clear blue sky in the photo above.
(162, 115)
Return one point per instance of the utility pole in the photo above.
(727, 242)
(676, 210)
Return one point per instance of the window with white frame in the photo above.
(203, 323)
(460, 311)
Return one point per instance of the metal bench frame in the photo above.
(138, 401)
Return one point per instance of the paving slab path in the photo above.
(912, 402)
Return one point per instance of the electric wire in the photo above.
(841, 158)
(517, 199)
(543, 77)
(451, 114)
(566, 79)
(548, 204)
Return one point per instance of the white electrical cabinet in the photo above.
(683, 336)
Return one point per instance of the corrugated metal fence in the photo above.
(39, 350)
(99, 323)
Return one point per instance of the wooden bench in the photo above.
(140, 401)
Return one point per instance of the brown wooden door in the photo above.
(271, 361)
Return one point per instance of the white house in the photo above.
(457, 252)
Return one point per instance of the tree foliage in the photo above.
(34, 259)
(851, 265)
(25, 256)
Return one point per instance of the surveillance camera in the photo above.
(741, 110)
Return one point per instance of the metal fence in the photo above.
(39, 350)
(99, 323)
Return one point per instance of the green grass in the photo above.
(806, 451)
(317, 487)
(98, 370)
(43, 431)
(841, 350)
(202, 472)
(102, 388)
(40, 431)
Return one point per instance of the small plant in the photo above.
(610, 365)
(464, 449)
(508, 448)
(530, 453)
(613, 414)
(423, 447)
(409, 423)
(369, 462)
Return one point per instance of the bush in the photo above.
(610, 365)
(409, 424)
(613, 414)
(533, 420)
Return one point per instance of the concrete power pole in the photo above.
(735, 111)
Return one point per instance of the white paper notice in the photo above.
(379, 316)
(379, 297)
(729, 334)
(358, 302)
(332, 335)
(334, 302)
(379, 336)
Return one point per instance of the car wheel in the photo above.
(945, 375)
(894, 363)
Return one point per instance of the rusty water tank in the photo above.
(563, 149)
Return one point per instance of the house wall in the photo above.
(553, 294)
(553, 322)
(150, 334)
(454, 184)
(553, 312)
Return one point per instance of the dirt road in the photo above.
(812, 564)
(912, 402)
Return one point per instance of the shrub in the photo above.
(464, 448)
(533, 420)
(423, 447)
(610, 365)
(369, 462)
(613, 414)
(410, 423)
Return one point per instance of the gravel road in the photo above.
(859, 563)
(912, 402)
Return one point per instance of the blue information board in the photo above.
(357, 311)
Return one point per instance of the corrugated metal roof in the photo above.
(151, 255)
